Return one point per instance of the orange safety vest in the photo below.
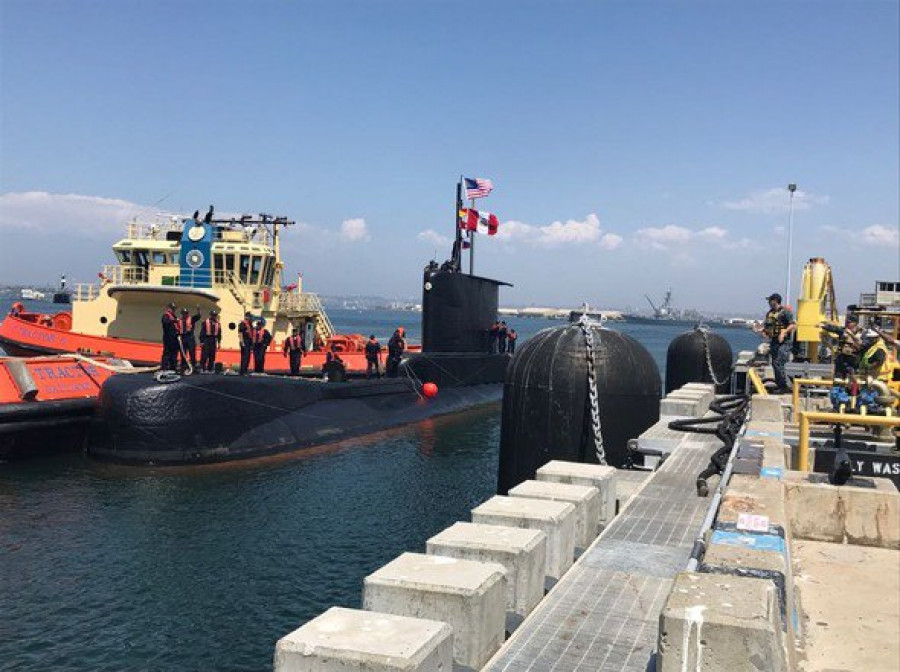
(212, 328)
(258, 335)
(185, 325)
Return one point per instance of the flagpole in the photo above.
(472, 242)
(457, 249)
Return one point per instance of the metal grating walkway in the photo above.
(604, 613)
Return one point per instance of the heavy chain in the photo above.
(593, 393)
(709, 366)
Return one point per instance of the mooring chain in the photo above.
(593, 394)
(709, 366)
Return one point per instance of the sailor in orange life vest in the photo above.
(169, 339)
(294, 348)
(185, 327)
(261, 340)
(373, 352)
(245, 335)
(210, 340)
(511, 338)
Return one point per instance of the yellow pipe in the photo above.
(757, 383)
(807, 418)
(795, 392)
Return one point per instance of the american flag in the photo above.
(477, 188)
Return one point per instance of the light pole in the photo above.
(787, 293)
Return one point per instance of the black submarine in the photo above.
(203, 419)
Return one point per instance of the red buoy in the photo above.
(430, 390)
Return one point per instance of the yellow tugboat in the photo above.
(231, 265)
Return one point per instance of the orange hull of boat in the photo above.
(24, 331)
(56, 378)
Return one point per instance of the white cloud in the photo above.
(432, 237)
(354, 230)
(46, 212)
(876, 235)
(569, 232)
(674, 237)
(775, 200)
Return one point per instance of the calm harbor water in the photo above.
(106, 567)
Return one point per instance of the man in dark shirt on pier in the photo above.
(373, 352)
(210, 340)
(778, 327)
(293, 349)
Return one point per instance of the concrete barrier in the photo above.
(470, 596)
(713, 622)
(865, 511)
(348, 639)
(555, 519)
(585, 499)
(522, 552)
(604, 478)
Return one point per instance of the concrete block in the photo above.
(348, 639)
(774, 454)
(758, 496)
(866, 511)
(714, 622)
(470, 596)
(585, 499)
(707, 388)
(765, 409)
(604, 478)
(555, 519)
(522, 552)
(679, 408)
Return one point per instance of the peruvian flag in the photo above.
(482, 222)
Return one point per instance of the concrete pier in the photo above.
(469, 596)
(555, 519)
(604, 478)
(349, 639)
(522, 552)
(585, 499)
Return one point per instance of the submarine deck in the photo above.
(604, 613)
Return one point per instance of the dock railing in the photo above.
(808, 418)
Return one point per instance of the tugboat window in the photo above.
(159, 258)
(232, 326)
(245, 267)
(254, 272)
(103, 320)
(125, 256)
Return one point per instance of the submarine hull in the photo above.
(203, 419)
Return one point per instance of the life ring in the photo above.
(62, 321)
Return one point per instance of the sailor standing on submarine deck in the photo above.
(245, 335)
(169, 339)
(186, 324)
(210, 340)
(396, 346)
(293, 348)
(261, 340)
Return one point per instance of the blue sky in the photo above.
(634, 146)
